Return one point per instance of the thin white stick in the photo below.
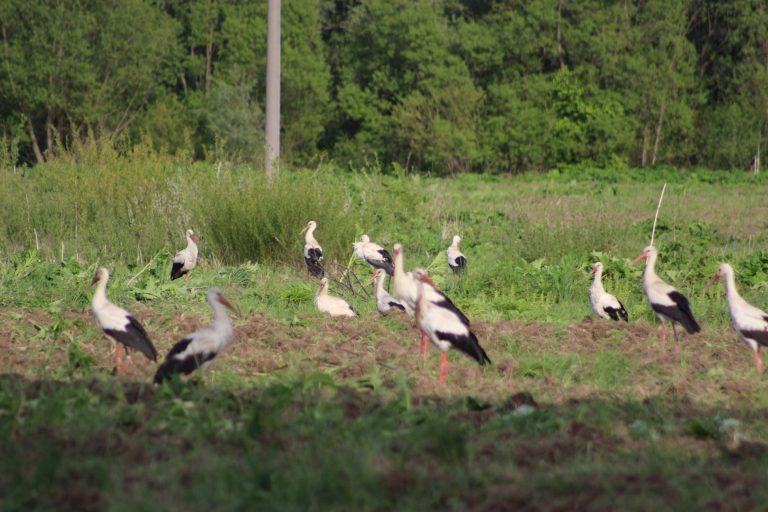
(656, 217)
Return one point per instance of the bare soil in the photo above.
(711, 365)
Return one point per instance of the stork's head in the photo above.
(722, 271)
(101, 275)
(365, 239)
(378, 274)
(397, 249)
(309, 226)
(191, 235)
(215, 295)
(323, 285)
(456, 239)
(597, 267)
(647, 253)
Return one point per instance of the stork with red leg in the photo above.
(749, 322)
(668, 303)
(119, 325)
(445, 325)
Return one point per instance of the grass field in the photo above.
(305, 412)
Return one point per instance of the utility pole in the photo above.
(272, 129)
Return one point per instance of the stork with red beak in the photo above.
(118, 324)
(200, 348)
(186, 259)
(668, 303)
(603, 303)
(749, 322)
(445, 325)
(313, 253)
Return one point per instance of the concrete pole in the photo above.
(272, 129)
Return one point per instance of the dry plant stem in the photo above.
(656, 217)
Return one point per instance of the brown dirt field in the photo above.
(372, 350)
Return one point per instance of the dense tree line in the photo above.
(441, 85)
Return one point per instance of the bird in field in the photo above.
(603, 303)
(373, 254)
(199, 349)
(407, 287)
(118, 324)
(334, 306)
(668, 303)
(749, 322)
(445, 325)
(186, 259)
(313, 253)
(385, 303)
(456, 259)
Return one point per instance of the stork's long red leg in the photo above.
(758, 361)
(443, 367)
(118, 365)
(663, 334)
(424, 344)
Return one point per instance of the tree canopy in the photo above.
(436, 85)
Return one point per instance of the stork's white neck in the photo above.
(309, 236)
(731, 294)
(100, 295)
(597, 282)
(649, 274)
(221, 320)
(379, 286)
(191, 245)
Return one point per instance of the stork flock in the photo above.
(439, 321)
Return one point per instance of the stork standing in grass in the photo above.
(334, 306)
(384, 301)
(186, 259)
(313, 253)
(373, 254)
(456, 259)
(749, 322)
(200, 348)
(603, 303)
(118, 324)
(665, 300)
(445, 325)
(407, 288)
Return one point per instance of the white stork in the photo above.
(456, 259)
(198, 350)
(313, 253)
(334, 306)
(384, 301)
(186, 259)
(373, 254)
(749, 322)
(445, 325)
(118, 324)
(665, 300)
(407, 286)
(603, 303)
